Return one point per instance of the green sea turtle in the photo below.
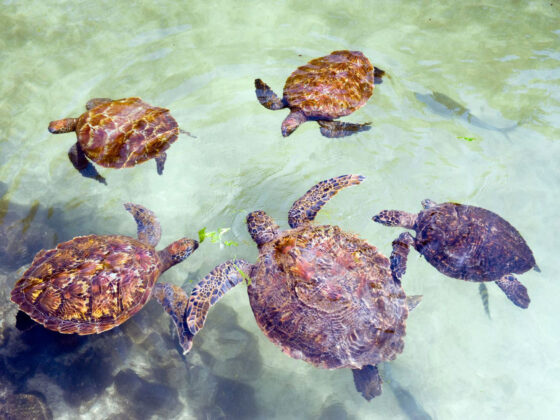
(324, 89)
(118, 134)
(463, 242)
(323, 295)
(93, 283)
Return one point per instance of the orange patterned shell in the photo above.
(125, 132)
(328, 297)
(89, 284)
(331, 86)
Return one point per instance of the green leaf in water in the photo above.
(215, 237)
(202, 235)
(466, 138)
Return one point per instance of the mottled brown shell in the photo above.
(89, 284)
(331, 86)
(336, 291)
(471, 243)
(125, 132)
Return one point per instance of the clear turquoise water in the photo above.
(199, 59)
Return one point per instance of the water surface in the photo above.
(450, 65)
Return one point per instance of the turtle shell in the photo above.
(125, 132)
(89, 284)
(331, 86)
(328, 297)
(471, 243)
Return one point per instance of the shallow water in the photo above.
(451, 66)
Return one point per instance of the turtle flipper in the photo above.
(292, 121)
(211, 288)
(305, 209)
(401, 248)
(83, 165)
(483, 291)
(92, 103)
(160, 162)
(368, 381)
(174, 300)
(149, 229)
(514, 290)
(336, 129)
(267, 97)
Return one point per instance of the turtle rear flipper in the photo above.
(82, 164)
(305, 209)
(367, 381)
(267, 97)
(514, 290)
(211, 288)
(336, 129)
(174, 300)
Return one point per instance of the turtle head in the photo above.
(63, 126)
(177, 252)
(395, 218)
(262, 227)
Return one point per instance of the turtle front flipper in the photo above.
(82, 164)
(267, 97)
(211, 288)
(401, 248)
(336, 129)
(367, 381)
(305, 209)
(514, 290)
(174, 300)
(92, 103)
(160, 162)
(294, 119)
(149, 229)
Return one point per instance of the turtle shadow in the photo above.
(33, 358)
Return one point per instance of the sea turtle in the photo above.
(93, 283)
(118, 134)
(463, 242)
(323, 295)
(324, 89)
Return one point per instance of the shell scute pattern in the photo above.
(328, 297)
(471, 243)
(125, 132)
(88, 284)
(331, 86)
